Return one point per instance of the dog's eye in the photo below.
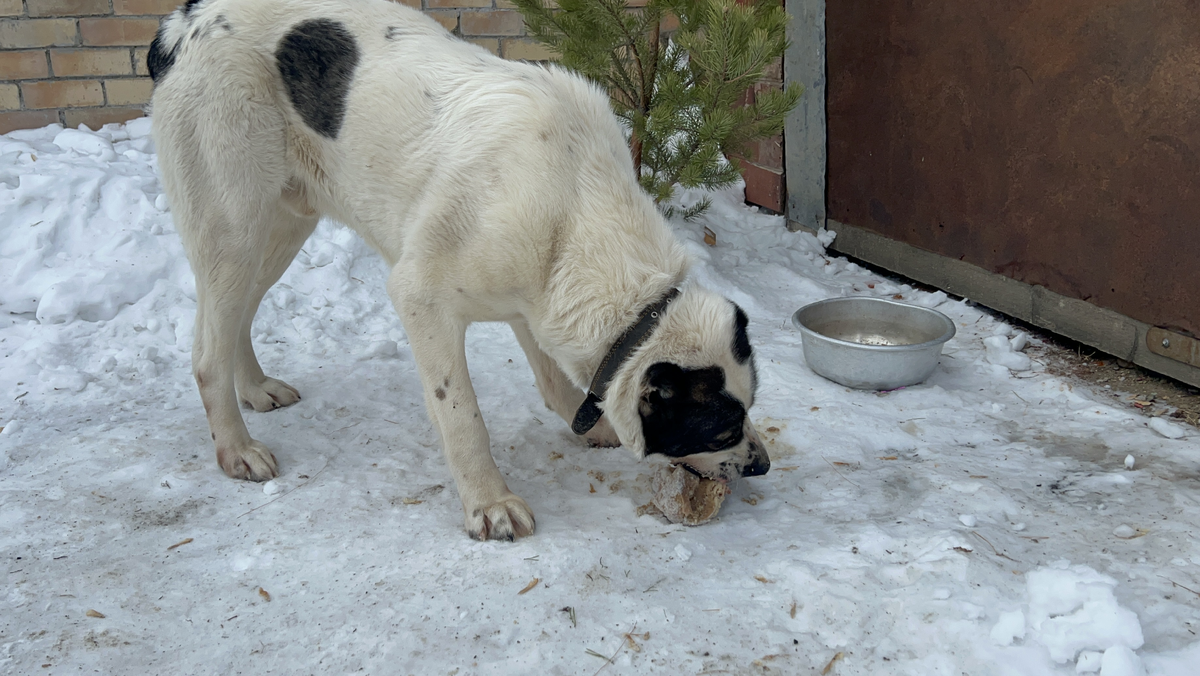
(724, 440)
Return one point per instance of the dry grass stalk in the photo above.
(609, 660)
(835, 469)
(829, 666)
(989, 543)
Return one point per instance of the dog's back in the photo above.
(366, 110)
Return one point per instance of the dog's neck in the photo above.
(599, 287)
(588, 413)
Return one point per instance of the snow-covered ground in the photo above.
(985, 522)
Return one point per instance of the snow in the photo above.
(1168, 429)
(1009, 627)
(962, 525)
(1121, 661)
(1072, 608)
(1001, 351)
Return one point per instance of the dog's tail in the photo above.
(167, 40)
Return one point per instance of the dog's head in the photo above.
(686, 392)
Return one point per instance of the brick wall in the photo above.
(762, 166)
(84, 61)
(74, 61)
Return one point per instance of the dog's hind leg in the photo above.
(237, 233)
(225, 283)
(559, 393)
(254, 388)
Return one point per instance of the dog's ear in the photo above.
(665, 380)
(671, 388)
(741, 342)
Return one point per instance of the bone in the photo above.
(686, 498)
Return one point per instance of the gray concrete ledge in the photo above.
(804, 130)
(1078, 320)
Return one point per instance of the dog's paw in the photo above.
(252, 462)
(268, 395)
(506, 519)
(602, 435)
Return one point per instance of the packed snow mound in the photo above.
(1072, 608)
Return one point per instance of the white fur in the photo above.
(496, 191)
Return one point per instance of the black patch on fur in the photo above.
(393, 33)
(741, 342)
(688, 411)
(159, 59)
(316, 60)
(189, 6)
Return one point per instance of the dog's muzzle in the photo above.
(758, 462)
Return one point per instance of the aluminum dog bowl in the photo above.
(871, 343)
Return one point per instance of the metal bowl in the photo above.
(872, 343)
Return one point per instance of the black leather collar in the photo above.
(589, 412)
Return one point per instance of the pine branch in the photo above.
(679, 96)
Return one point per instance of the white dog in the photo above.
(496, 191)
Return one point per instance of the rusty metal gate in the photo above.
(1055, 142)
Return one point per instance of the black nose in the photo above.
(760, 462)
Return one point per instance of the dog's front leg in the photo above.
(438, 345)
(557, 390)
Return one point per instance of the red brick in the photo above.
(62, 94)
(67, 7)
(774, 71)
(763, 86)
(24, 65)
(746, 98)
(767, 153)
(106, 32)
(526, 50)
(26, 119)
(95, 118)
(139, 61)
(10, 96)
(490, 44)
(37, 33)
(448, 19)
(449, 4)
(763, 187)
(143, 7)
(77, 62)
(494, 22)
(128, 91)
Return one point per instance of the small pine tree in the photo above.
(678, 95)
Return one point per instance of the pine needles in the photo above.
(683, 96)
